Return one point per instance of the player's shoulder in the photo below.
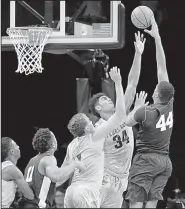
(48, 160)
(100, 122)
(15, 172)
(73, 144)
(150, 108)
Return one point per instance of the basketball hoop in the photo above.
(29, 43)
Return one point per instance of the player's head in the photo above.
(9, 149)
(163, 92)
(100, 103)
(80, 125)
(44, 140)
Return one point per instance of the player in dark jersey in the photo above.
(42, 172)
(152, 166)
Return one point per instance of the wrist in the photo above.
(137, 106)
(157, 38)
(138, 53)
(118, 83)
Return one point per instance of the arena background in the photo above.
(49, 99)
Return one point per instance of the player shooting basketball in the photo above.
(84, 191)
(152, 166)
(119, 144)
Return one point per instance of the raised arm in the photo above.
(135, 70)
(21, 183)
(59, 174)
(139, 108)
(162, 73)
(120, 112)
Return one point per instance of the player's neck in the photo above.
(50, 152)
(14, 161)
(106, 115)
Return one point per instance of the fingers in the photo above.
(136, 37)
(143, 95)
(147, 31)
(144, 40)
(115, 70)
(139, 37)
(147, 103)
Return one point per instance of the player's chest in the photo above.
(120, 140)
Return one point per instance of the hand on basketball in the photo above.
(139, 42)
(115, 74)
(154, 32)
(140, 99)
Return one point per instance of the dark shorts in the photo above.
(148, 176)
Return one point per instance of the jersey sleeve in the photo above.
(140, 115)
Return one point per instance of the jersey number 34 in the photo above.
(162, 123)
(120, 141)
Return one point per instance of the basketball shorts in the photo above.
(148, 176)
(79, 195)
(112, 191)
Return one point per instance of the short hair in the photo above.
(42, 140)
(77, 125)
(165, 91)
(93, 102)
(5, 147)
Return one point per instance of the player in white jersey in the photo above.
(88, 147)
(119, 143)
(12, 177)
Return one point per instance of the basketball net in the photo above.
(29, 43)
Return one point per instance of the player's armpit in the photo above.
(22, 184)
(137, 115)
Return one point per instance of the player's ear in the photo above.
(98, 107)
(12, 151)
(87, 129)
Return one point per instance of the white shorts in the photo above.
(80, 195)
(112, 191)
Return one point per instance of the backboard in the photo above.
(76, 24)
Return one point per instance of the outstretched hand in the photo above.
(140, 99)
(115, 74)
(139, 42)
(154, 32)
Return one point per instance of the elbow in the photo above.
(55, 179)
(130, 122)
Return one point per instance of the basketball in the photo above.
(141, 17)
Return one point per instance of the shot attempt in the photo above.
(151, 165)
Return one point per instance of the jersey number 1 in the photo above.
(162, 124)
(29, 174)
